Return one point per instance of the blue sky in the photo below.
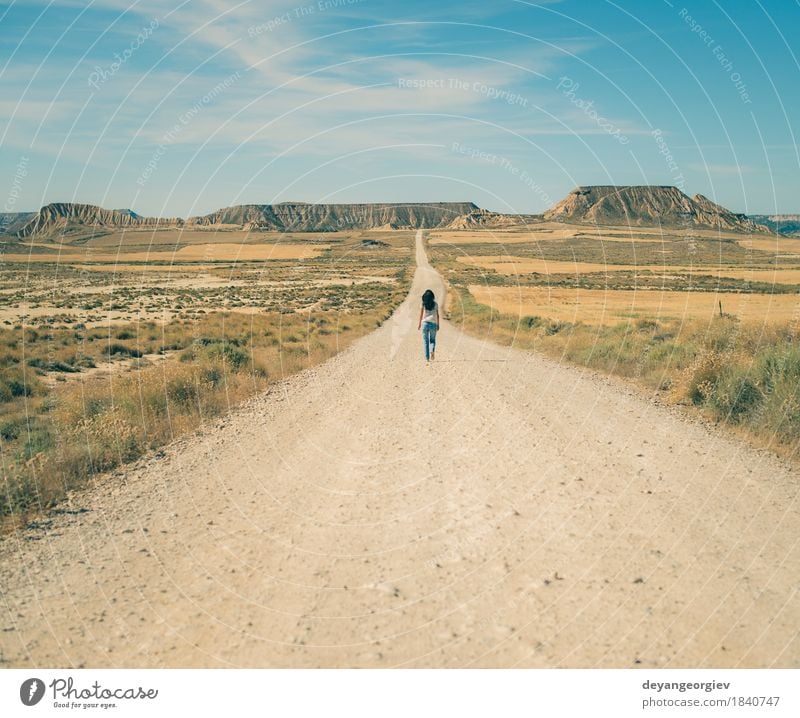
(176, 108)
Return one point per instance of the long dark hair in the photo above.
(428, 300)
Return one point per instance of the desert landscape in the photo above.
(117, 338)
(178, 491)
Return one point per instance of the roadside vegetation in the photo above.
(742, 373)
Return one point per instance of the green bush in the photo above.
(51, 365)
(212, 376)
(777, 364)
(11, 429)
(15, 385)
(18, 494)
(122, 350)
(39, 439)
(555, 327)
(780, 412)
(233, 357)
(735, 395)
(155, 402)
(94, 406)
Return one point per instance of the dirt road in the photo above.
(491, 509)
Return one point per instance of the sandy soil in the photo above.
(195, 252)
(493, 508)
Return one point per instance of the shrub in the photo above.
(777, 364)
(555, 327)
(86, 362)
(212, 376)
(122, 350)
(94, 406)
(51, 365)
(11, 429)
(722, 335)
(647, 325)
(233, 357)
(734, 395)
(15, 386)
(18, 495)
(183, 391)
(702, 375)
(780, 411)
(38, 440)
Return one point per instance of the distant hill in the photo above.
(64, 218)
(787, 224)
(12, 222)
(603, 205)
(305, 217)
(647, 205)
(484, 219)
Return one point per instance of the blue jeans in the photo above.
(429, 337)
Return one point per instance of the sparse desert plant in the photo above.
(56, 436)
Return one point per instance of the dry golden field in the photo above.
(534, 233)
(548, 231)
(606, 307)
(511, 265)
(622, 259)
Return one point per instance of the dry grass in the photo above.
(55, 437)
(500, 236)
(511, 266)
(118, 268)
(535, 232)
(608, 307)
(776, 245)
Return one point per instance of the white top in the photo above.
(429, 315)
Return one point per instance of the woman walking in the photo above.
(429, 321)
